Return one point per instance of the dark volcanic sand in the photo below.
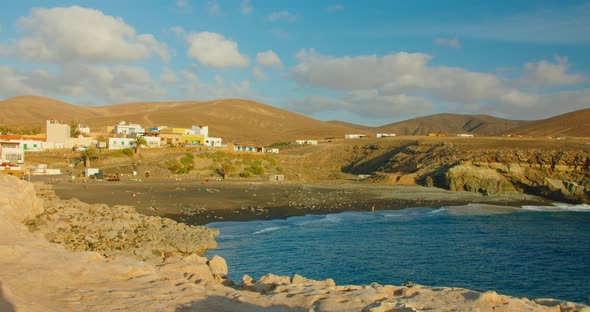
(199, 202)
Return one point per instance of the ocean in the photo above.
(533, 252)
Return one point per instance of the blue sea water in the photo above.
(534, 252)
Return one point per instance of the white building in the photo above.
(30, 145)
(209, 141)
(272, 150)
(121, 143)
(83, 129)
(354, 136)
(465, 135)
(11, 152)
(127, 129)
(384, 135)
(152, 141)
(204, 131)
(57, 134)
(201, 130)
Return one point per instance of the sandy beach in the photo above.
(201, 201)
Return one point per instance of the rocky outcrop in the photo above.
(116, 231)
(476, 179)
(562, 175)
(36, 275)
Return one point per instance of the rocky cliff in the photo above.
(37, 275)
(554, 172)
(116, 231)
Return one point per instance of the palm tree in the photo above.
(87, 154)
(139, 142)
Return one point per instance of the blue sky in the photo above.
(367, 62)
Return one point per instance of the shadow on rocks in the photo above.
(5, 305)
(217, 303)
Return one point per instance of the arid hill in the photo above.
(235, 120)
(244, 121)
(361, 128)
(28, 110)
(573, 124)
(451, 124)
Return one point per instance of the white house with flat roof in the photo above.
(354, 136)
(128, 128)
(11, 152)
(121, 143)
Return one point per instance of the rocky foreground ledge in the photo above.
(82, 271)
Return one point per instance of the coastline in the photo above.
(36, 275)
(197, 202)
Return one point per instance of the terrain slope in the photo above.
(452, 124)
(573, 124)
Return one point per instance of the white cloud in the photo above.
(213, 8)
(358, 72)
(406, 79)
(281, 15)
(335, 7)
(259, 74)
(365, 103)
(103, 84)
(246, 7)
(545, 73)
(453, 43)
(13, 82)
(268, 58)
(212, 49)
(55, 36)
(168, 76)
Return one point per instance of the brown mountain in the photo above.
(28, 111)
(235, 120)
(352, 126)
(452, 124)
(573, 124)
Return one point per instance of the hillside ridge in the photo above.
(241, 120)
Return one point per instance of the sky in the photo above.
(366, 62)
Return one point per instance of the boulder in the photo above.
(298, 279)
(470, 178)
(490, 298)
(218, 266)
(269, 282)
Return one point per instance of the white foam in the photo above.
(557, 207)
(270, 229)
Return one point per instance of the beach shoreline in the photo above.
(202, 201)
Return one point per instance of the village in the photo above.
(126, 135)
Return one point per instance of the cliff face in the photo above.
(562, 175)
(36, 275)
